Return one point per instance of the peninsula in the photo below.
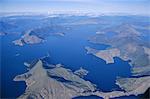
(106, 55)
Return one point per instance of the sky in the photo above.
(93, 6)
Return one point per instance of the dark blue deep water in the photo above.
(69, 51)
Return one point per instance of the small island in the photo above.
(36, 36)
(28, 39)
(81, 72)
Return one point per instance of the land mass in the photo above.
(36, 36)
(56, 81)
(106, 55)
(52, 83)
(28, 39)
(127, 44)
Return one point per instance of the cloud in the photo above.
(98, 6)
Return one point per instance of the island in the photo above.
(28, 39)
(81, 72)
(38, 35)
(53, 83)
(57, 81)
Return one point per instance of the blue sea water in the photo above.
(68, 50)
